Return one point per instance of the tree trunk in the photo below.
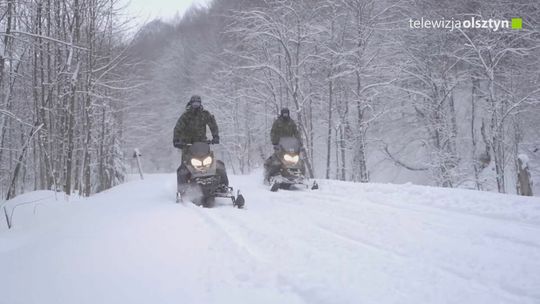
(329, 135)
(72, 100)
(13, 185)
(524, 178)
(474, 99)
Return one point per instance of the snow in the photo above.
(524, 160)
(344, 243)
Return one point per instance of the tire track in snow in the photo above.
(424, 213)
(259, 262)
(222, 229)
(425, 209)
(443, 219)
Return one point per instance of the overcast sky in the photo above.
(145, 10)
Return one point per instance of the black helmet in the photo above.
(285, 113)
(195, 101)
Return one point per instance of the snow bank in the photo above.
(26, 209)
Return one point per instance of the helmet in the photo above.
(285, 113)
(195, 101)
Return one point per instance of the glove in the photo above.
(178, 144)
(215, 140)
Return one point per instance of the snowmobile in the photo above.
(204, 183)
(291, 167)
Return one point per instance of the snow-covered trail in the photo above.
(344, 243)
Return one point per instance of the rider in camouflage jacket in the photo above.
(191, 126)
(284, 126)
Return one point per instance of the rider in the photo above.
(283, 126)
(191, 128)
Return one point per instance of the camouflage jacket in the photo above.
(191, 126)
(283, 128)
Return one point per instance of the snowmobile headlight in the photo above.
(291, 158)
(207, 161)
(196, 163)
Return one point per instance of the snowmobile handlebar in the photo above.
(210, 142)
(187, 145)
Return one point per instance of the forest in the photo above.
(375, 99)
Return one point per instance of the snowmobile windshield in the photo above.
(290, 144)
(199, 149)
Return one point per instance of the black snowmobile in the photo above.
(291, 169)
(204, 183)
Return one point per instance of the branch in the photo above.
(46, 38)
(400, 163)
(13, 116)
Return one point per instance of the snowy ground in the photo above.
(345, 243)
